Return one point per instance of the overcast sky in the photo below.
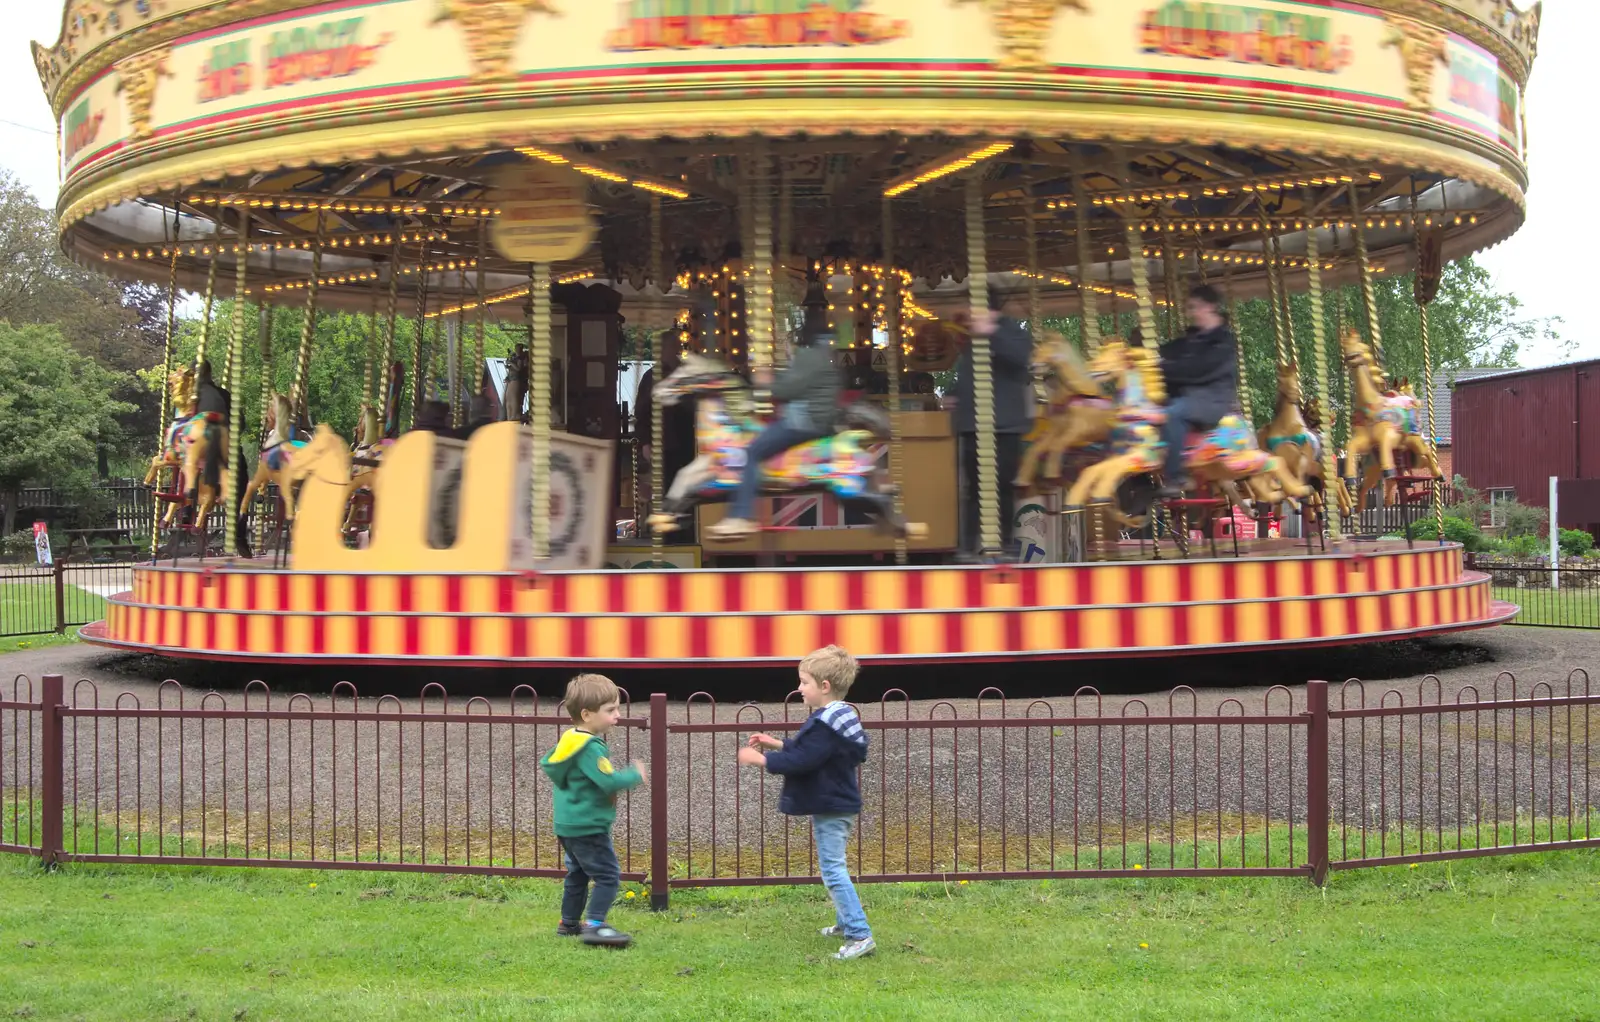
(1551, 264)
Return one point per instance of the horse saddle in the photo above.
(1230, 443)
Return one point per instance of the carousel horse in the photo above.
(1220, 458)
(1077, 412)
(844, 464)
(1312, 411)
(182, 432)
(370, 445)
(278, 451)
(1290, 438)
(1381, 422)
(192, 447)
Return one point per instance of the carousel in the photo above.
(711, 188)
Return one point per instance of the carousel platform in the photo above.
(1270, 598)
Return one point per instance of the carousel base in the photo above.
(246, 611)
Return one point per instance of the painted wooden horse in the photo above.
(278, 451)
(1293, 440)
(1220, 458)
(845, 464)
(1078, 413)
(1381, 422)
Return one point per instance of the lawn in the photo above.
(1572, 608)
(30, 608)
(1497, 938)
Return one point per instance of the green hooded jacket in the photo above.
(586, 784)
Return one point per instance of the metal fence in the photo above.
(39, 600)
(1556, 597)
(1284, 784)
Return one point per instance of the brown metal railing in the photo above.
(1292, 782)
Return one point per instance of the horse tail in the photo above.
(211, 472)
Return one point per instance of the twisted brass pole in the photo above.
(385, 410)
(419, 372)
(1330, 475)
(1369, 294)
(169, 352)
(1238, 344)
(982, 370)
(891, 326)
(205, 318)
(539, 405)
(1087, 300)
(234, 374)
(658, 469)
(475, 384)
(264, 342)
(308, 325)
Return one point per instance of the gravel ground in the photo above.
(932, 795)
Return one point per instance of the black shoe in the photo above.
(566, 929)
(1169, 493)
(604, 936)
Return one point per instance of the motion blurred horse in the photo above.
(845, 464)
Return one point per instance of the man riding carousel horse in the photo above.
(1202, 377)
(809, 388)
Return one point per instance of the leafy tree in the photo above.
(119, 325)
(54, 408)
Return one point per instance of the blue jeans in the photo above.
(1186, 414)
(833, 842)
(590, 857)
(773, 441)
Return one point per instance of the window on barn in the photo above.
(1498, 500)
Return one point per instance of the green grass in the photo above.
(25, 606)
(1508, 938)
(1574, 608)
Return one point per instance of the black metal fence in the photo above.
(1565, 596)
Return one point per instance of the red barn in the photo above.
(1512, 431)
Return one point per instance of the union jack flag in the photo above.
(817, 510)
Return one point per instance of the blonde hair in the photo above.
(834, 665)
(589, 692)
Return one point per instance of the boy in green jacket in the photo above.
(586, 787)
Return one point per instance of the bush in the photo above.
(1522, 547)
(1522, 520)
(1459, 530)
(1575, 542)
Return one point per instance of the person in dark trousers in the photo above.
(809, 389)
(1202, 374)
(818, 766)
(586, 787)
(1010, 355)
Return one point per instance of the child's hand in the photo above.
(644, 777)
(765, 741)
(752, 757)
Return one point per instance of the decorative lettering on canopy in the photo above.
(1245, 35)
(1477, 85)
(332, 49)
(227, 72)
(719, 24)
(82, 128)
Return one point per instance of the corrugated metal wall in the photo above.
(1517, 431)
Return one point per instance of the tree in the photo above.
(120, 325)
(54, 408)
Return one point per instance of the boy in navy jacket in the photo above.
(818, 765)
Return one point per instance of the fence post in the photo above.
(1317, 796)
(50, 770)
(59, 568)
(659, 892)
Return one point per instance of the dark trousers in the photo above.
(773, 441)
(1197, 412)
(589, 858)
(1008, 455)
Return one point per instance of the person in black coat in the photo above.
(1202, 373)
(1010, 356)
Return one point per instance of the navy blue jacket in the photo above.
(818, 763)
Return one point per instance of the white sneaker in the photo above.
(856, 949)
